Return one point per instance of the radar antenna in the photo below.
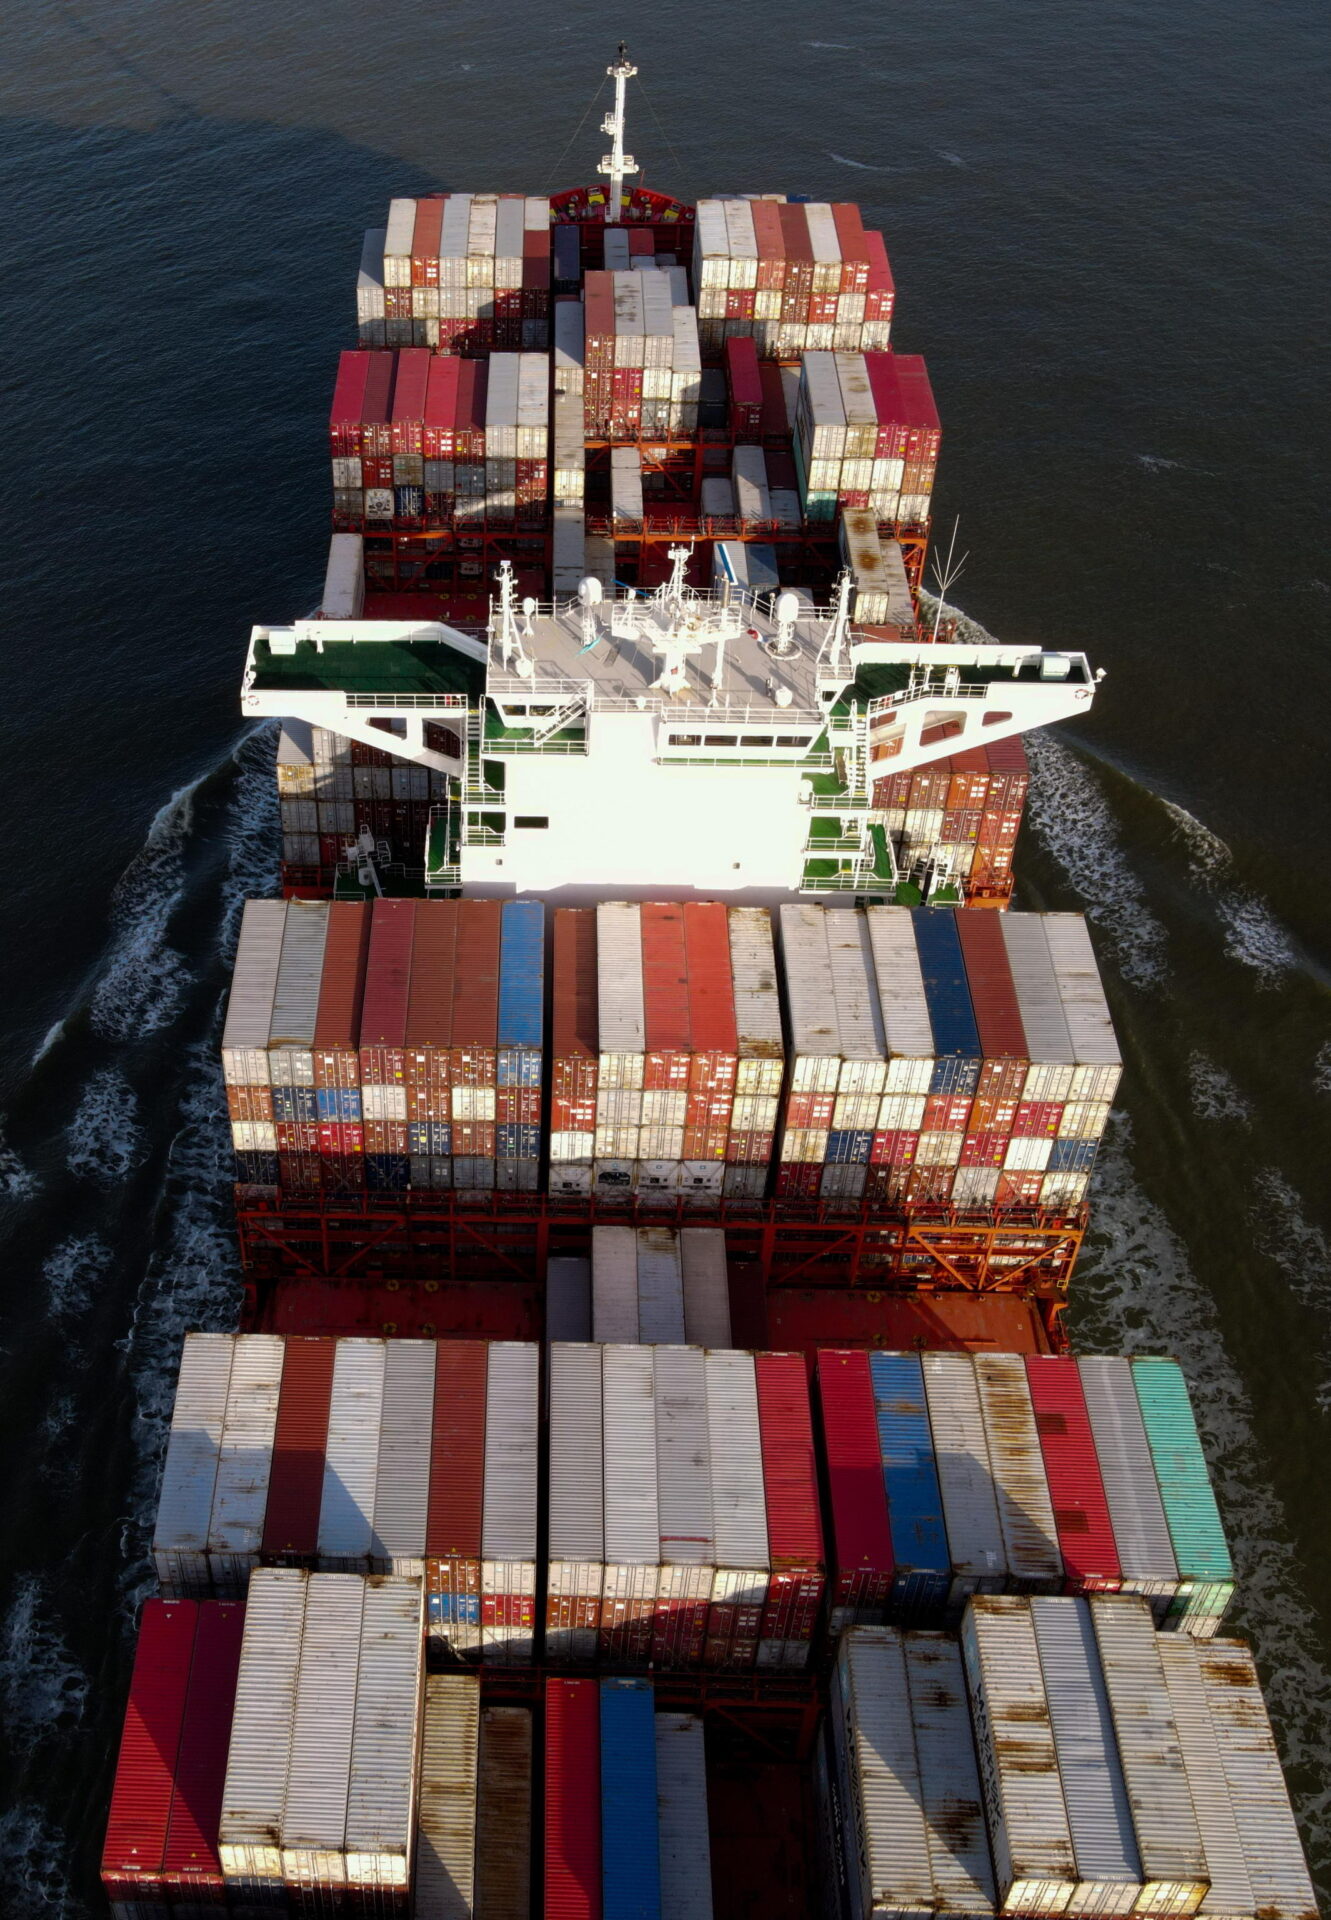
(617, 163)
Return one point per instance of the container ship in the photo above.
(651, 1476)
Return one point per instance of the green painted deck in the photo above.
(373, 666)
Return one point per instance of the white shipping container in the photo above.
(253, 984)
(965, 1477)
(885, 1843)
(758, 1027)
(1035, 1867)
(619, 992)
(632, 1519)
(1094, 1046)
(185, 1503)
(397, 242)
(1048, 1041)
(576, 1538)
(1231, 1893)
(370, 278)
(402, 1481)
(681, 1810)
(706, 1286)
(445, 1876)
(351, 1457)
(739, 1505)
(1035, 1564)
(1272, 1852)
(950, 1795)
(811, 998)
(1141, 1532)
(684, 1490)
(254, 1794)
(660, 1280)
(244, 1461)
(1173, 1863)
(344, 577)
(314, 1817)
(508, 1525)
(385, 1748)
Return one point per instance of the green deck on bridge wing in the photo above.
(374, 666)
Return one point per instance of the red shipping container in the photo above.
(810, 1109)
(377, 472)
(968, 780)
(429, 1027)
(945, 1113)
(775, 426)
(854, 247)
(441, 406)
(895, 1147)
(574, 1034)
(799, 253)
(739, 303)
(136, 1827)
(344, 419)
(476, 1000)
(790, 1489)
(297, 1136)
(798, 1180)
(715, 1035)
(1018, 1189)
(880, 294)
(993, 1116)
(469, 420)
(641, 243)
(929, 1186)
(425, 241)
(387, 984)
(994, 998)
(572, 1800)
(767, 231)
(1072, 1467)
(749, 1147)
(889, 404)
(823, 309)
(295, 1484)
(191, 1869)
(983, 1149)
(457, 1488)
(862, 1562)
(377, 407)
(744, 386)
(1036, 1119)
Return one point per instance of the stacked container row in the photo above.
(867, 435)
(333, 791)
(951, 1474)
(957, 820)
(660, 1285)
(939, 1057)
(683, 1514)
(408, 1457)
(794, 278)
(626, 1826)
(466, 273)
(641, 362)
(473, 1834)
(666, 1044)
(878, 573)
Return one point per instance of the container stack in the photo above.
(866, 436)
(517, 431)
(626, 1827)
(794, 278)
(405, 1457)
(160, 1851)
(320, 1793)
(660, 1285)
(473, 1835)
(878, 572)
(957, 820)
(468, 273)
(574, 1052)
(331, 790)
(371, 315)
(643, 365)
(950, 1474)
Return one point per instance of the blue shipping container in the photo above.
(409, 502)
(337, 1103)
(848, 1148)
(914, 1504)
(1072, 1156)
(513, 1142)
(387, 1172)
(295, 1103)
(630, 1834)
(521, 993)
(946, 992)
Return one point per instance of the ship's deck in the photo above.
(389, 667)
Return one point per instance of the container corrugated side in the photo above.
(253, 984)
(615, 1285)
(630, 1842)
(351, 1457)
(1272, 1850)
(950, 1793)
(190, 1866)
(965, 1478)
(739, 1514)
(314, 1816)
(1206, 1571)
(681, 1805)
(572, 1823)
(137, 1821)
(1095, 1793)
(887, 1842)
(758, 1028)
(385, 1748)
(861, 1537)
(1076, 1488)
(254, 1797)
(1034, 1864)
(296, 995)
(457, 1498)
(632, 1516)
(1141, 1532)
(244, 1462)
(1230, 1893)
(1035, 1564)
(402, 1479)
(1048, 1041)
(568, 1298)
(922, 1576)
(706, 1280)
(660, 1282)
(504, 1814)
(619, 992)
(795, 1547)
(1085, 1009)
(684, 1507)
(858, 1016)
(509, 1539)
(1172, 1860)
(810, 999)
(185, 1503)
(576, 1537)
(903, 1005)
(295, 1484)
(445, 1876)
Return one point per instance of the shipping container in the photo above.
(446, 1831)
(509, 1533)
(794, 1527)
(976, 1549)
(572, 1823)
(681, 1801)
(632, 1527)
(862, 1564)
(922, 1569)
(1030, 1536)
(1077, 1494)
(576, 1539)
(1141, 1532)
(950, 1794)
(504, 1814)
(886, 1847)
(688, 1550)
(740, 1583)
(1206, 1572)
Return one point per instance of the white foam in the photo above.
(1136, 1292)
(143, 977)
(1208, 855)
(73, 1274)
(1215, 1095)
(1322, 1068)
(1298, 1247)
(17, 1182)
(32, 1877)
(860, 166)
(1255, 938)
(43, 1690)
(106, 1142)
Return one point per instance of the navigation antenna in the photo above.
(833, 649)
(947, 575)
(617, 163)
(510, 639)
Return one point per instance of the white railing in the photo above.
(409, 702)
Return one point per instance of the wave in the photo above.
(32, 1881)
(1208, 855)
(1137, 1292)
(43, 1689)
(106, 1139)
(1298, 1248)
(143, 977)
(1215, 1094)
(73, 1275)
(1255, 938)
(17, 1181)
(1322, 1068)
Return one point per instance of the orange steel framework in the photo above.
(511, 1237)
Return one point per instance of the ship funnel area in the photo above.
(617, 165)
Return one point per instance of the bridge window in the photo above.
(531, 820)
(686, 740)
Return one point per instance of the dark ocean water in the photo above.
(1108, 225)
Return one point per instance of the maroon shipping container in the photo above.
(919, 413)
(880, 292)
(574, 1034)
(771, 245)
(889, 405)
(572, 1800)
(377, 407)
(1072, 1467)
(799, 254)
(665, 997)
(854, 247)
(469, 424)
(344, 419)
(295, 1483)
(713, 1030)
(745, 388)
(429, 1030)
(994, 999)
(136, 1828)
(387, 983)
(790, 1487)
(476, 999)
(425, 241)
(456, 1495)
(1009, 775)
(409, 390)
(862, 1558)
(441, 406)
(191, 1869)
